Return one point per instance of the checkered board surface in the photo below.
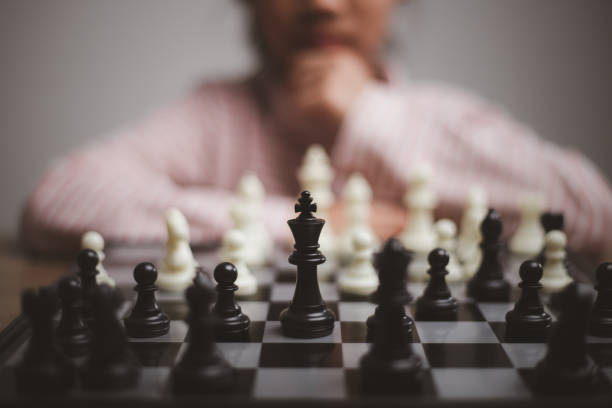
(464, 359)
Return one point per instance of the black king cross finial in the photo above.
(305, 206)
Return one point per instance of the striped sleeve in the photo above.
(467, 141)
(123, 186)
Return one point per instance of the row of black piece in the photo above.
(89, 329)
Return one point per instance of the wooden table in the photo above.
(19, 271)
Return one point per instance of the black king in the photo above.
(307, 315)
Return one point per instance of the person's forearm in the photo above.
(470, 143)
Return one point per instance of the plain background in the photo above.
(73, 70)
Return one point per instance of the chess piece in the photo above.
(87, 262)
(357, 198)
(391, 365)
(73, 335)
(316, 175)
(146, 319)
(419, 235)
(528, 320)
(202, 369)
(488, 284)
(437, 303)
(307, 315)
(234, 242)
(111, 365)
(391, 262)
(550, 221)
(93, 240)
(600, 323)
(178, 267)
(567, 368)
(44, 369)
(468, 242)
(247, 214)
(446, 231)
(231, 322)
(529, 236)
(360, 278)
(555, 274)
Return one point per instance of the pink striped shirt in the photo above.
(192, 154)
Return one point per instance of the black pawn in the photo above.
(87, 261)
(391, 262)
(231, 322)
(567, 368)
(601, 316)
(390, 366)
(488, 284)
(307, 315)
(73, 334)
(146, 319)
(112, 365)
(437, 303)
(44, 368)
(528, 320)
(202, 369)
(550, 221)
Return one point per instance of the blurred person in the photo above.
(322, 78)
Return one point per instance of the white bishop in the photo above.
(247, 213)
(179, 266)
(529, 236)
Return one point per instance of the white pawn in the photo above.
(360, 278)
(357, 197)
(179, 266)
(316, 175)
(234, 242)
(247, 216)
(555, 275)
(528, 239)
(94, 241)
(419, 234)
(447, 231)
(468, 242)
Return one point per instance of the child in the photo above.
(321, 80)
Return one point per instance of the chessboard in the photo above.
(467, 362)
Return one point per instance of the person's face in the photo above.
(287, 27)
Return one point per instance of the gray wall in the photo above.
(72, 70)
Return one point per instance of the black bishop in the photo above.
(567, 368)
(202, 369)
(391, 263)
(44, 369)
(391, 366)
(73, 335)
(488, 283)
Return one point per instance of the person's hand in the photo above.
(323, 84)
